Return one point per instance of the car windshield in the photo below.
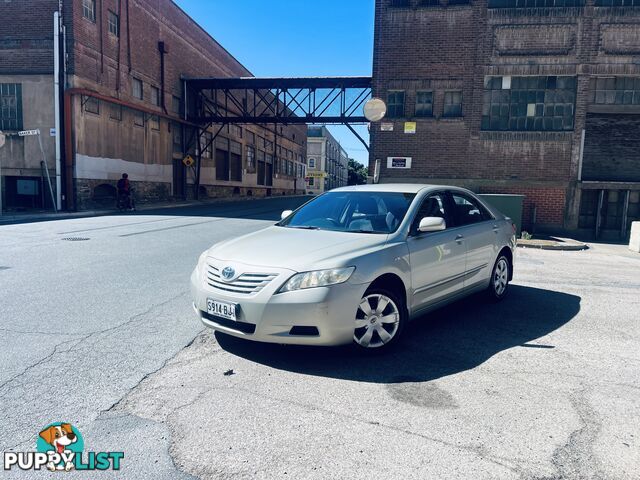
(358, 212)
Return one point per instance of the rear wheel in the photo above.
(499, 279)
(379, 321)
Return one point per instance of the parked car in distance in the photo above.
(355, 265)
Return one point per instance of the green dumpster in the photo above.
(510, 205)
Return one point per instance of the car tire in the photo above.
(379, 330)
(499, 282)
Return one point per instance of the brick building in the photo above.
(122, 107)
(533, 97)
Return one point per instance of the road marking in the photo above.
(119, 226)
(171, 228)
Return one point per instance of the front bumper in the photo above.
(268, 316)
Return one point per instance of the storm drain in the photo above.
(76, 239)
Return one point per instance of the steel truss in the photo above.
(276, 101)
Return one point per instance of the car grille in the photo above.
(246, 283)
(230, 324)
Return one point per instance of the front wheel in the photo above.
(499, 279)
(380, 319)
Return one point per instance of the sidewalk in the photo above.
(46, 216)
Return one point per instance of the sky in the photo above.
(295, 38)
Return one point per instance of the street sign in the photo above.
(316, 174)
(410, 127)
(398, 162)
(28, 133)
(2, 139)
(188, 161)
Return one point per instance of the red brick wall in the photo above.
(98, 56)
(26, 36)
(455, 47)
(549, 203)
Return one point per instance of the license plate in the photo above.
(221, 309)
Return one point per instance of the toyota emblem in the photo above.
(228, 273)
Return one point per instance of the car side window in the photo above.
(432, 206)
(468, 211)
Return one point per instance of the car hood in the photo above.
(295, 249)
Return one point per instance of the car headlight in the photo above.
(202, 261)
(318, 278)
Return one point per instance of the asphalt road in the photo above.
(100, 332)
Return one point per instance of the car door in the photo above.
(474, 224)
(437, 258)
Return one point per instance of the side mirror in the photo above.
(432, 224)
(285, 214)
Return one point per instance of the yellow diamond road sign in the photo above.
(188, 160)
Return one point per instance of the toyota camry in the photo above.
(354, 265)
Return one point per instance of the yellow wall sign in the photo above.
(188, 161)
(410, 127)
(316, 174)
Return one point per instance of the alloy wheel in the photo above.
(501, 276)
(377, 321)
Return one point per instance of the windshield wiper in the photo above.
(305, 227)
(365, 231)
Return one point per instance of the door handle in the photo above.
(459, 238)
(495, 228)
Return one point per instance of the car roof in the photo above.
(392, 187)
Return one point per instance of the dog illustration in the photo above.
(59, 437)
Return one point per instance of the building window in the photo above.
(138, 118)
(312, 163)
(424, 104)
(536, 3)
(251, 158)
(176, 104)
(395, 103)
(400, 3)
(529, 103)
(155, 96)
(251, 138)
(235, 130)
(136, 89)
(115, 112)
(617, 91)
(206, 145)
(617, 3)
(10, 106)
(452, 104)
(260, 142)
(92, 105)
(311, 181)
(176, 131)
(89, 10)
(430, 3)
(154, 121)
(222, 165)
(114, 23)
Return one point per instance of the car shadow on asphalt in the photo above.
(453, 339)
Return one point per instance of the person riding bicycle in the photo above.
(124, 192)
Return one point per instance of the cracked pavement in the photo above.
(101, 334)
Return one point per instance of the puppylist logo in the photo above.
(60, 447)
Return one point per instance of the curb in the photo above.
(569, 246)
(38, 217)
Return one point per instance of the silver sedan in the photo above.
(355, 265)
